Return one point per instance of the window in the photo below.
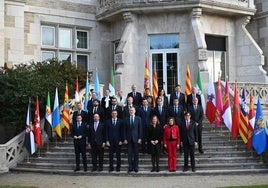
(164, 41)
(48, 36)
(65, 38)
(65, 56)
(216, 62)
(82, 39)
(82, 62)
(47, 55)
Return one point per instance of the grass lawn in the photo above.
(250, 186)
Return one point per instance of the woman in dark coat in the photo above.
(155, 134)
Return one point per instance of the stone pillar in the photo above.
(14, 32)
(2, 35)
(3, 163)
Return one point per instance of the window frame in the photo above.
(76, 38)
(54, 34)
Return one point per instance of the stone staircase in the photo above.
(223, 155)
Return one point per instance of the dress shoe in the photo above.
(153, 169)
(201, 151)
(157, 169)
(118, 170)
(193, 170)
(129, 170)
(100, 169)
(111, 169)
(185, 169)
(85, 170)
(136, 170)
(77, 169)
(93, 170)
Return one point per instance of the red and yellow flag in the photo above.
(219, 106)
(65, 118)
(146, 75)
(243, 128)
(188, 85)
(155, 88)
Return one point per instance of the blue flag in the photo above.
(97, 85)
(56, 115)
(259, 140)
(86, 95)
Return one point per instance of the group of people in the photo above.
(133, 121)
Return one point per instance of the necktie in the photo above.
(160, 109)
(187, 125)
(195, 107)
(95, 126)
(134, 94)
(113, 107)
(131, 120)
(107, 102)
(78, 124)
(114, 122)
(94, 110)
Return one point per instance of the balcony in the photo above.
(107, 9)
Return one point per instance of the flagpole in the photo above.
(48, 145)
(39, 153)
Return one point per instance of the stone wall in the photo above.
(2, 32)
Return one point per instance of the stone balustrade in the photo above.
(257, 90)
(108, 5)
(12, 152)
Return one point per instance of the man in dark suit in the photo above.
(79, 134)
(161, 112)
(132, 137)
(197, 115)
(178, 94)
(81, 112)
(96, 140)
(145, 113)
(106, 101)
(128, 106)
(188, 140)
(137, 97)
(114, 139)
(115, 106)
(193, 95)
(90, 101)
(95, 109)
(176, 111)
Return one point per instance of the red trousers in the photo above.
(172, 155)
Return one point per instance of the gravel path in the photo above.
(58, 181)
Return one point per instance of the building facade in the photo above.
(226, 37)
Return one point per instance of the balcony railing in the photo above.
(109, 5)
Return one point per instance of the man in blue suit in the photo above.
(132, 137)
(145, 112)
(114, 139)
(79, 134)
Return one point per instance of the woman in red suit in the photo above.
(171, 143)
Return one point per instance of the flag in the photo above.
(48, 118)
(155, 87)
(56, 115)
(219, 106)
(65, 118)
(188, 85)
(37, 128)
(86, 94)
(236, 114)
(76, 98)
(200, 91)
(29, 136)
(146, 76)
(97, 84)
(243, 128)
(259, 140)
(211, 102)
(251, 121)
(111, 84)
(227, 114)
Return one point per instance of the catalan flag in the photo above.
(56, 115)
(188, 85)
(65, 118)
(146, 75)
(155, 87)
(243, 128)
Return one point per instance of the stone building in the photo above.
(226, 36)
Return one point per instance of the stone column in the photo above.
(2, 35)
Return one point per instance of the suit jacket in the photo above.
(98, 136)
(165, 101)
(190, 99)
(114, 133)
(196, 115)
(189, 136)
(118, 109)
(163, 116)
(134, 132)
(171, 133)
(100, 111)
(84, 117)
(145, 116)
(126, 111)
(81, 131)
(137, 100)
(181, 99)
(90, 104)
(179, 116)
